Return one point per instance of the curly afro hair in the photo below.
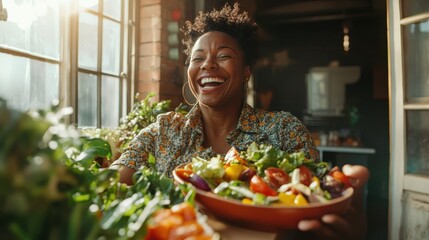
(229, 20)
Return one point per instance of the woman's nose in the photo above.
(209, 63)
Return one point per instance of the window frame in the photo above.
(412, 182)
(125, 76)
(400, 180)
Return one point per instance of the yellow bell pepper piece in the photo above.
(233, 171)
(300, 200)
(247, 201)
(315, 184)
(287, 198)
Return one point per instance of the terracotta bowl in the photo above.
(266, 218)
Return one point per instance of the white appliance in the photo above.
(326, 89)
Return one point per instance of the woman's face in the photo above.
(217, 73)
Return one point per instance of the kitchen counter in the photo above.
(344, 149)
(232, 232)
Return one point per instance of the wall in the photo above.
(158, 71)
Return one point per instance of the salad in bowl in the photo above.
(266, 186)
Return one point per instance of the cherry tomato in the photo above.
(186, 210)
(234, 155)
(276, 177)
(305, 175)
(179, 222)
(160, 225)
(340, 176)
(186, 230)
(258, 185)
(202, 236)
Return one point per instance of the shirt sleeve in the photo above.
(136, 154)
(296, 137)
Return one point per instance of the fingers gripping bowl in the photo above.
(265, 199)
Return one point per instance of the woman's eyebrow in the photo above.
(218, 48)
(227, 47)
(198, 50)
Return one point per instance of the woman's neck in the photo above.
(217, 124)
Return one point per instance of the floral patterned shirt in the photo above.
(175, 138)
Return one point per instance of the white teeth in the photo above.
(211, 80)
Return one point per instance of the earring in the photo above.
(184, 95)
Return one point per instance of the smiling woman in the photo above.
(221, 49)
(212, 71)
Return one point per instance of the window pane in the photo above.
(418, 142)
(112, 8)
(110, 102)
(91, 4)
(111, 46)
(87, 100)
(416, 62)
(32, 26)
(88, 38)
(28, 84)
(413, 7)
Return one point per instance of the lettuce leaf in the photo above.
(208, 169)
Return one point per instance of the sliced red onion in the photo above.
(199, 182)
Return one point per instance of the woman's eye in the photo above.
(196, 59)
(224, 56)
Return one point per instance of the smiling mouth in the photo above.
(211, 82)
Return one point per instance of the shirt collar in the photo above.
(248, 121)
(194, 116)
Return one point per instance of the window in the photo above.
(409, 74)
(100, 46)
(415, 36)
(30, 54)
(76, 51)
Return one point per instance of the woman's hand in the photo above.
(351, 225)
(125, 174)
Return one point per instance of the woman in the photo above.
(221, 49)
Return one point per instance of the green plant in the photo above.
(52, 187)
(42, 162)
(143, 113)
(110, 135)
